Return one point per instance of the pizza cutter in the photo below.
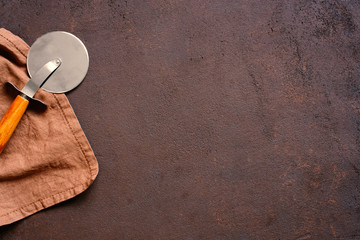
(57, 62)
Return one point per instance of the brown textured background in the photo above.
(210, 119)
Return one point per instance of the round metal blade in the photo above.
(74, 60)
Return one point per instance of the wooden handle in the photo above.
(11, 119)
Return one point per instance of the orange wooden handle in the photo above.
(11, 119)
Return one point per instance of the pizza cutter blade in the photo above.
(74, 60)
(57, 62)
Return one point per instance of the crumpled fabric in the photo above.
(48, 159)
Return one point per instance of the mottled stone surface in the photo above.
(210, 119)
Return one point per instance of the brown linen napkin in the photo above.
(48, 159)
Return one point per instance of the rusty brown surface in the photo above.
(209, 119)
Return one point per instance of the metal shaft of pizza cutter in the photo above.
(18, 107)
